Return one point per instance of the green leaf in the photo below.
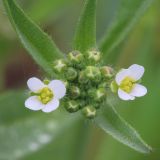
(26, 132)
(85, 36)
(12, 107)
(128, 15)
(75, 138)
(117, 127)
(48, 9)
(38, 44)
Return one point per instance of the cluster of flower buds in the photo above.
(86, 81)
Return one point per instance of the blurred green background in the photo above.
(82, 140)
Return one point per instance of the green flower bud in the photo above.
(75, 57)
(72, 106)
(100, 94)
(89, 111)
(114, 87)
(93, 73)
(107, 72)
(97, 95)
(93, 56)
(74, 92)
(59, 65)
(71, 74)
(82, 78)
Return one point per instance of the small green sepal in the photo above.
(114, 87)
(46, 81)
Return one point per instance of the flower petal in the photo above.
(51, 106)
(34, 84)
(138, 90)
(33, 103)
(58, 88)
(136, 71)
(124, 96)
(121, 75)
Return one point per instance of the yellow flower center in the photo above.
(127, 84)
(45, 95)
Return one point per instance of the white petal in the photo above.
(58, 88)
(51, 106)
(34, 84)
(121, 75)
(136, 71)
(124, 96)
(33, 103)
(138, 90)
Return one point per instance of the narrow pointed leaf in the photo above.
(128, 15)
(68, 138)
(38, 44)
(117, 127)
(27, 132)
(47, 10)
(12, 107)
(85, 36)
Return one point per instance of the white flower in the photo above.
(45, 96)
(126, 79)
